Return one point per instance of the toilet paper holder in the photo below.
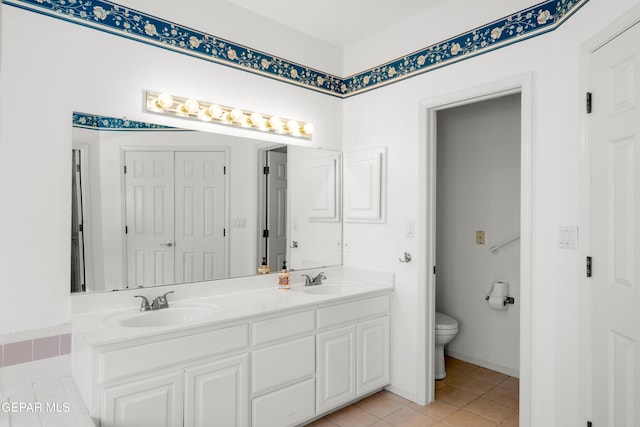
(507, 300)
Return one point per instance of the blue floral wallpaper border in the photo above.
(96, 122)
(119, 20)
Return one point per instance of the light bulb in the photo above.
(164, 100)
(215, 111)
(275, 123)
(308, 128)
(236, 114)
(257, 119)
(203, 114)
(191, 106)
(181, 110)
(293, 127)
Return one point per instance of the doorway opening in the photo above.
(477, 232)
(483, 211)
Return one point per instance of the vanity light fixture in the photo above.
(164, 103)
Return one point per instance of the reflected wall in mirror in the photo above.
(153, 205)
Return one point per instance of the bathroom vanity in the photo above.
(258, 357)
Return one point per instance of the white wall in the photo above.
(478, 188)
(390, 116)
(425, 29)
(51, 68)
(243, 26)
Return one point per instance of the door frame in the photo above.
(604, 36)
(173, 148)
(428, 109)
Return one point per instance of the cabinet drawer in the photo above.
(286, 407)
(283, 327)
(343, 313)
(283, 364)
(148, 357)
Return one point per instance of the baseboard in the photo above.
(485, 364)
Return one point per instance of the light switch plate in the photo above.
(239, 222)
(409, 229)
(568, 237)
(480, 237)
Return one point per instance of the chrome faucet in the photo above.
(157, 304)
(315, 281)
(144, 304)
(161, 302)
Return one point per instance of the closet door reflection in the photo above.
(175, 207)
(200, 216)
(149, 218)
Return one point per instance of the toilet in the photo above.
(446, 330)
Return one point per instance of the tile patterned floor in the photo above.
(60, 405)
(470, 396)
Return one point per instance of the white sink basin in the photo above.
(163, 317)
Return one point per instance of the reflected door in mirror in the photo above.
(175, 206)
(276, 209)
(200, 216)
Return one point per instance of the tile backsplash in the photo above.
(32, 358)
(34, 349)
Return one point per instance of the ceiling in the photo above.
(338, 22)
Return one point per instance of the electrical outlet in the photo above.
(480, 237)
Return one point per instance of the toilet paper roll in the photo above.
(497, 303)
(499, 289)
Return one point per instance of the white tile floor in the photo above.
(54, 402)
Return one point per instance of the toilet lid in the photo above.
(445, 322)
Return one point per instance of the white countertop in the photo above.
(99, 329)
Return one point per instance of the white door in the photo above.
(217, 394)
(277, 209)
(615, 215)
(200, 216)
(149, 214)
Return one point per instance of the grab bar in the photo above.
(496, 248)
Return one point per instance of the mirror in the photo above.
(153, 206)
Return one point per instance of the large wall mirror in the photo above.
(155, 206)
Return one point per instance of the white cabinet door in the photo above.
(216, 394)
(336, 367)
(365, 190)
(373, 355)
(152, 402)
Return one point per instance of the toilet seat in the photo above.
(445, 323)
